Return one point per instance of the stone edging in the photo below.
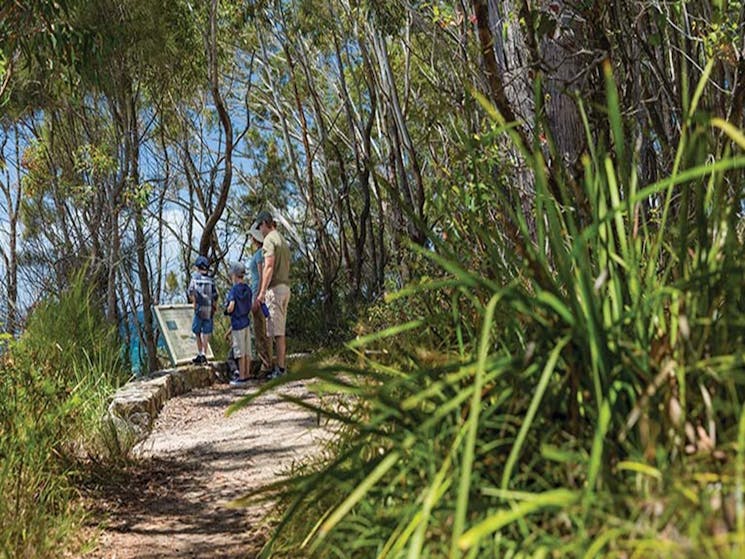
(135, 405)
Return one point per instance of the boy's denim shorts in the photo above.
(202, 325)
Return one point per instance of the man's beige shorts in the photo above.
(242, 342)
(277, 300)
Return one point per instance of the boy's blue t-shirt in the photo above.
(253, 266)
(241, 294)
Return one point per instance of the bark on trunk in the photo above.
(207, 240)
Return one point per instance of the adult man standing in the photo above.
(275, 285)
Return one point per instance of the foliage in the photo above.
(596, 407)
(53, 387)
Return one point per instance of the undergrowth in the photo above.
(583, 396)
(54, 382)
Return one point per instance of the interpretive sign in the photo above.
(174, 322)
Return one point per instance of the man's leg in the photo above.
(263, 344)
(280, 300)
(281, 351)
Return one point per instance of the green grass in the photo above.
(54, 382)
(575, 386)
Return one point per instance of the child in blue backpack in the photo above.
(238, 306)
(203, 295)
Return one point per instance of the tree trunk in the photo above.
(207, 239)
(132, 144)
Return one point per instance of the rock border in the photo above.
(135, 406)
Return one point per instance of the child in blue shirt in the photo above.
(239, 307)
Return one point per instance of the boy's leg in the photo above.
(244, 366)
(196, 328)
(247, 353)
(207, 326)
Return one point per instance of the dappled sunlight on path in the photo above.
(175, 501)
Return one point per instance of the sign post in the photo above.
(174, 322)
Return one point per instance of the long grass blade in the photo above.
(464, 487)
(556, 498)
(532, 410)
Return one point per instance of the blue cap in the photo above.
(202, 262)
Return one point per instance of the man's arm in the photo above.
(256, 302)
(266, 277)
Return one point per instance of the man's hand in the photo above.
(261, 297)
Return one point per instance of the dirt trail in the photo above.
(195, 462)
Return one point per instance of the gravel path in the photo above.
(173, 502)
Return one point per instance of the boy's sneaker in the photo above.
(238, 382)
(200, 360)
(276, 373)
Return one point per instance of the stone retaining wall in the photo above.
(135, 405)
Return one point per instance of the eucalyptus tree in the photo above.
(658, 51)
(130, 59)
(363, 110)
(10, 207)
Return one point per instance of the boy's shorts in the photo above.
(277, 300)
(202, 325)
(242, 342)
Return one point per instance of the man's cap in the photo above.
(263, 217)
(237, 269)
(202, 262)
(256, 234)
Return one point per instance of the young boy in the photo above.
(203, 295)
(238, 307)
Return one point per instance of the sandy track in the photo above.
(172, 503)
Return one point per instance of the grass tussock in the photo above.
(583, 394)
(54, 382)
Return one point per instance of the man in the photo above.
(275, 286)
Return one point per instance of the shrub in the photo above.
(53, 386)
(595, 405)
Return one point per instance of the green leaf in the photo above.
(532, 410)
(556, 498)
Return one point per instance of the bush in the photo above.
(594, 406)
(54, 382)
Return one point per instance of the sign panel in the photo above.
(174, 322)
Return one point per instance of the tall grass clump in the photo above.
(591, 401)
(53, 384)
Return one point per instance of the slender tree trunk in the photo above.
(208, 239)
(132, 148)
